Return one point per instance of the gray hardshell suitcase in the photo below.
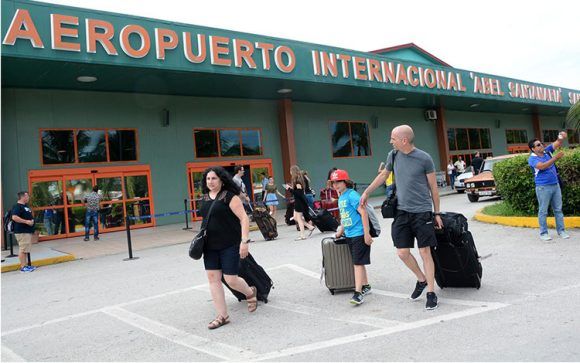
(337, 267)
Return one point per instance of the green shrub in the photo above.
(514, 180)
(504, 209)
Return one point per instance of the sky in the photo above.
(535, 41)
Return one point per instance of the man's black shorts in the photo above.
(408, 226)
(360, 251)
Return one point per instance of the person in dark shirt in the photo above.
(227, 229)
(23, 229)
(477, 162)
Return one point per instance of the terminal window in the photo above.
(88, 146)
(516, 137)
(210, 143)
(550, 135)
(350, 139)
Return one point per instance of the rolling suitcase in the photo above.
(266, 223)
(337, 267)
(324, 220)
(254, 275)
(456, 261)
(289, 215)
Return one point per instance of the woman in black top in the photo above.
(227, 240)
(301, 215)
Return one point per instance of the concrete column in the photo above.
(287, 144)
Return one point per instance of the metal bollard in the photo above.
(28, 258)
(186, 217)
(11, 239)
(128, 227)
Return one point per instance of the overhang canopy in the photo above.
(50, 46)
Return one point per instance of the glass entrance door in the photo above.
(252, 179)
(58, 200)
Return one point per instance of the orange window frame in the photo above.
(75, 145)
(101, 172)
(351, 143)
(219, 150)
(199, 166)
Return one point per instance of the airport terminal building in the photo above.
(140, 107)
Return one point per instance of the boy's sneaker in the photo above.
(431, 301)
(86, 239)
(27, 269)
(357, 298)
(564, 235)
(366, 290)
(545, 237)
(97, 238)
(419, 287)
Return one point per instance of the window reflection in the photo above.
(136, 186)
(341, 142)
(91, 146)
(58, 147)
(205, 143)
(230, 142)
(251, 143)
(122, 145)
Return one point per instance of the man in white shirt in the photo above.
(460, 165)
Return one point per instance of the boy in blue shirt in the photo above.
(355, 226)
(547, 185)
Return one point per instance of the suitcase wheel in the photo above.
(331, 291)
(239, 300)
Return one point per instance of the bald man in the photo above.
(418, 201)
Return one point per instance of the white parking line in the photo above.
(8, 355)
(374, 333)
(185, 339)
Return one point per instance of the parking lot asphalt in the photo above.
(156, 308)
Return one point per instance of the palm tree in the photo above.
(573, 117)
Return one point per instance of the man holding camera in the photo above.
(547, 182)
(417, 194)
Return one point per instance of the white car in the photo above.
(459, 185)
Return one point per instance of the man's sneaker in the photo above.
(27, 269)
(431, 301)
(357, 298)
(545, 237)
(564, 235)
(419, 287)
(86, 239)
(366, 290)
(97, 238)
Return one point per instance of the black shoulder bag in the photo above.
(198, 242)
(389, 207)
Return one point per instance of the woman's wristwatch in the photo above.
(247, 240)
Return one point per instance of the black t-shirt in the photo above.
(476, 163)
(224, 228)
(24, 212)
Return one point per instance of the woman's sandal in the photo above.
(252, 300)
(299, 238)
(218, 321)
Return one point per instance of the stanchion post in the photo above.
(28, 258)
(11, 239)
(128, 227)
(5, 247)
(186, 213)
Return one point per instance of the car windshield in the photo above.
(488, 165)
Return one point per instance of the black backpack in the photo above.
(8, 222)
(454, 225)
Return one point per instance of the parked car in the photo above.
(459, 184)
(483, 184)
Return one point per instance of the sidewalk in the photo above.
(68, 249)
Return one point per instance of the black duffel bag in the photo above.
(454, 226)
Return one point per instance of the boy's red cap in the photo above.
(339, 175)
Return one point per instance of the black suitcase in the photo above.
(456, 261)
(324, 220)
(266, 223)
(254, 275)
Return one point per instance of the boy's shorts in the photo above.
(360, 251)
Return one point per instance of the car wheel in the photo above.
(473, 197)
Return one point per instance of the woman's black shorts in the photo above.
(408, 226)
(227, 260)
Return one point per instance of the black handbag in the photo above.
(389, 206)
(198, 242)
